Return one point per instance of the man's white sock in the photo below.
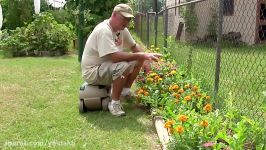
(115, 102)
(125, 91)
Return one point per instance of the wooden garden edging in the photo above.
(161, 131)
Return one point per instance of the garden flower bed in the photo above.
(189, 113)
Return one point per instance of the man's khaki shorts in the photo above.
(108, 71)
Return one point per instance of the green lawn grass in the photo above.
(39, 110)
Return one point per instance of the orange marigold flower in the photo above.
(183, 118)
(207, 107)
(204, 123)
(140, 91)
(176, 95)
(179, 129)
(173, 87)
(176, 100)
(181, 91)
(156, 77)
(146, 93)
(169, 123)
(188, 98)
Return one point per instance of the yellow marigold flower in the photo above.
(187, 86)
(160, 79)
(173, 72)
(181, 91)
(183, 118)
(152, 46)
(207, 107)
(153, 74)
(188, 98)
(204, 123)
(157, 49)
(195, 88)
(179, 129)
(150, 79)
(208, 97)
(171, 87)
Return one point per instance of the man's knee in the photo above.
(139, 64)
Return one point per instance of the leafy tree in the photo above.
(95, 11)
(19, 12)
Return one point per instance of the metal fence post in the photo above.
(148, 29)
(155, 22)
(218, 50)
(165, 27)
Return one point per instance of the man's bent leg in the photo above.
(115, 107)
(132, 76)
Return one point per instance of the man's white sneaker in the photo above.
(116, 109)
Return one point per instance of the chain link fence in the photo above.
(221, 42)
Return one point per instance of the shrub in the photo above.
(44, 34)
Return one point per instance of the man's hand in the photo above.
(152, 56)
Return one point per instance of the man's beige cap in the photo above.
(125, 10)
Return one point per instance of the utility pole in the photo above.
(80, 26)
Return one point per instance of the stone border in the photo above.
(161, 131)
